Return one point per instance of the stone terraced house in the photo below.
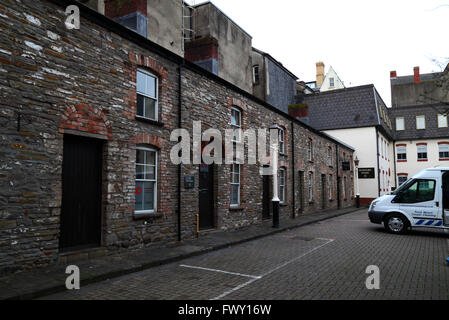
(86, 117)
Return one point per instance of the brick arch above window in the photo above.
(145, 61)
(85, 118)
(149, 139)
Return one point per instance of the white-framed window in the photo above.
(281, 141)
(281, 185)
(310, 149)
(147, 95)
(400, 124)
(442, 121)
(344, 187)
(402, 178)
(256, 78)
(329, 156)
(331, 82)
(310, 186)
(235, 184)
(236, 123)
(330, 187)
(443, 150)
(146, 180)
(401, 152)
(422, 152)
(420, 122)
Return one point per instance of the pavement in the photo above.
(50, 280)
(342, 258)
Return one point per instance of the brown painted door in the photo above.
(81, 193)
(266, 200)
(206, 197)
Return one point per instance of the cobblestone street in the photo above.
(325, 260)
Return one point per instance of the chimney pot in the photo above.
(393, 75)
(417, 75)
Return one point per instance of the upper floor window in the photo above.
(331, 82)
(420, 122)
(443, 151)
(256, 78)
(400, 124)
(310, 149)
(401, 153)
(329, 156)
(236, 123)
(281, 141)
(422, 152)
(442, 121)
(147, 95)
(281, 185)
(146, 180)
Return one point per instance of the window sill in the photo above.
(149, 121)
(283, 204)
(402, 161)
(444, 159)
(423, 160)
(141, 216)
(236, 208)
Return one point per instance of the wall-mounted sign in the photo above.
(189, 182)
(366, 173)
(346, 166)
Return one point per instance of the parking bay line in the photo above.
(255, 278)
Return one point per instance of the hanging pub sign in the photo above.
(346, 166)
(366, 173)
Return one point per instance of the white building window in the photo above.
(400, 124)
(331, 82)
(236, 124)
(235, 184)
(422, 152)
(147, 95)
(310, 186)
(281, 141)
(146, 180)
(401, 153)
(442, 121)
(402, 178)
(282, 185)
(330, 187)
(443, 151)
(420, 122)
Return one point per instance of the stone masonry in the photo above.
(55, 81)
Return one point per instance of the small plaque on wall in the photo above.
(366, 173)
(189, 182)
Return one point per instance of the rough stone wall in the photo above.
(282, 87)
(83, 82)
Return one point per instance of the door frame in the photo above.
(213, 192)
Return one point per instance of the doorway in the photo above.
(323, 191)
(266, 198)
(81, 193)
(206, 197)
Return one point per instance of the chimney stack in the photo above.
(319, 73)
(416, 75)
(393, 75)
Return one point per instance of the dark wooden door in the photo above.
(266, 198)
(206, 197)
(301, 192)
(81, 193)
(338, 193)
(323, 191)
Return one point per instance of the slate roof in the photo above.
(430, 111)
(352, 107)
(411, 79)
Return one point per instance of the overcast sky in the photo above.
(363, 40)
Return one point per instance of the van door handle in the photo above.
(437, 203)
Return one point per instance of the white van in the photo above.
(422, 201)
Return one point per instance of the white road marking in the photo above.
(221, 271)
(271, 271)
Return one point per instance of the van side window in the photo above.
(420, 191)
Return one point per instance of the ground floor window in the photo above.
(235, 185)
(402, 179)
(146, 180)
(444, 151)
(282, 185)
(310, 187)
(330, 187)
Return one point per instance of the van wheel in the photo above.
(397, 224)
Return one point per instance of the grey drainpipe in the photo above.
(377, 139)
(293, 170)
(180, 165)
